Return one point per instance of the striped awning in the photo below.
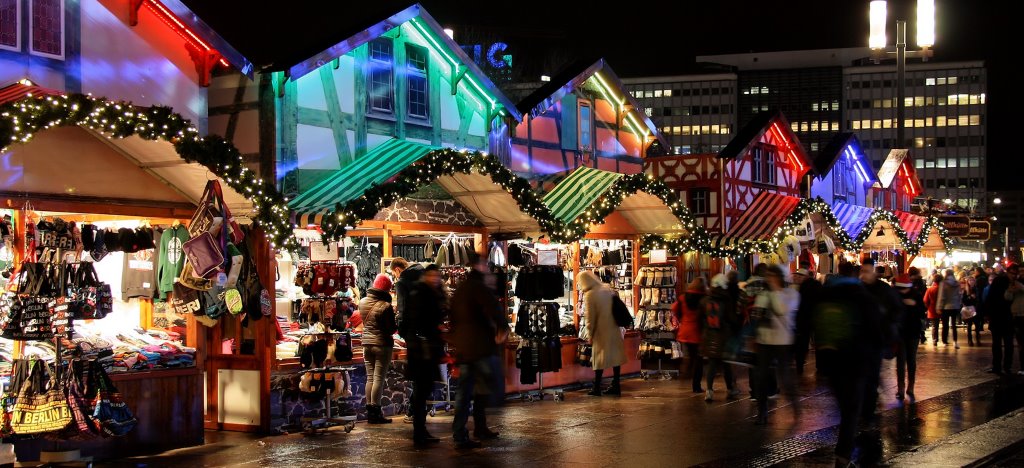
(18, 91)
(375, 167)
(762, 219)
(572, 196)
(852, 218)
(911, 223)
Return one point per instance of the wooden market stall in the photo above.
(875, 232)
(926, 241)
(123, 167)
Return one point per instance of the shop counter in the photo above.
(168, 404)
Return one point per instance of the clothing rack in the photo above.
(657, 286)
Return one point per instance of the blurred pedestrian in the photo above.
(606, 337)
(980, 285)
(970, 302)
(890, 308)
(1000, 319)
(931, 302)
(721, 321)
(910, 328)
(776, 317)
(1015, 296)
(421, 329)
(686, 311)
(810, 292)
(479, 328)
(950, 301)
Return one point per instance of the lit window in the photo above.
(754, 108)
(804, 127)
(677, 130)
(416, 71)
(963, 99)
(981, 98)
(919, 143)
(942, 100)
(877, 103)
(666, 130)
(834, 126)
(919, 123)
(919, 101)
(929, 122)
(814, 106)
(855, 125)
(725, 129)
(929, 81)
(951, 162)
(10, 25)
(755, 90)
(940, 163)
(686, 130)
(888, 103)
(940, 121)
(887, 123)
(47, 27)
(381, 74)
(975, 119)
(649, 111)
(919, 164)
(764, 90)
(686, 149)
(835, 104)
(866, 124)
(929, 164)
(586, 126)
(974, 99)
(908, 101)
(814, 147)
(974, 162)
(964, 120)
(705, 129)
(951, 80)
(929, 101)
(940, 81)
(764, 107)
(814, 126)
(657, 93)
(715, 129)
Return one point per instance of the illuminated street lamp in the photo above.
(879, 49)
(997, 200)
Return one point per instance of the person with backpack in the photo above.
(775, 325)
(606, 336)
(686, 311)
(720, 322)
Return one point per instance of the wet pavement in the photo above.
(655, 423)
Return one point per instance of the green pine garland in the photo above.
(20, 120)
(435, 164)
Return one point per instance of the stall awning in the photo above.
(852, 218)
(492, 205)
(914, 225)
(375, 167)
(572, 196)
(762, 219)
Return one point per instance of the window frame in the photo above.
(584, 146)
(413, 73)
(16, 47)
(756, 161)
(372, 65)
(700, 205)
(839, 182)
(31, 32)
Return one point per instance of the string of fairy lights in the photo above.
(22, 119)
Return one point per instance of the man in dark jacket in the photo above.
(478, 328)
(1000, 322)
(847, 336)
(890, 305)
(810, 292)
(420, 328)
(910, 329)
(920, 288)
(406, 278)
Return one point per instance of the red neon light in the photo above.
(171, 21)
(787, 146)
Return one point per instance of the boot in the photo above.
(375, 415)
(480, 429)
(613, 389)
(422, 437)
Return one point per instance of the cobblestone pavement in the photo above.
(655, 423)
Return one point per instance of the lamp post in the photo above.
(879, 49)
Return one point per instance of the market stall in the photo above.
(110, 217)
(874, 233)
(927, 239)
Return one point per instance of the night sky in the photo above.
(662, 37)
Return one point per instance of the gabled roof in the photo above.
(842, 143)
(303, 36)
(751, 133)
(897, 160)
(573, 76)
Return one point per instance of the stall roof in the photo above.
(843, 143)
(766, 214)
(75, 163)
(583, 187)
(854, 220)
(913, 224)
(478, 193)
(751, 133)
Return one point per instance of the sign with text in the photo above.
(979, 231)
(956, 226)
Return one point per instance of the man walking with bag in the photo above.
(479, 329)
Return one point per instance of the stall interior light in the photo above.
(877, 13)
(170, 20)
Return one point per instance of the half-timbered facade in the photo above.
(318, 105)
(842, 172)
(897, 184)
(124, 50)
(583, 117)
(765, 156)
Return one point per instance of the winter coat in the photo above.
(476, 319)
(997, 308)
(720, 321)
(686, 310)
(378, 318)
(420, 328)
(407, 281)
(609, 348)
(931, 301)
(810, 294)
(781, 316)
(1016, 299)
(914, 311)
(950, 295)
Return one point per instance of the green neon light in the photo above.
(636, 125)
(442, 50)
(608, 90)
(610, 96)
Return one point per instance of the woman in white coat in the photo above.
(605, 335)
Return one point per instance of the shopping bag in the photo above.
(204, 254)
(40, 410)
(109, 410)
(968, 312)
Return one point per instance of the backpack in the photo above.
(621, 313)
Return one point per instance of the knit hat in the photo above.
(720, 281)
(903, 281)
(382, 282)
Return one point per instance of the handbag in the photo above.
(82, 426)
(39, 410)
(204, 254)
(968, 312)
(110, 412)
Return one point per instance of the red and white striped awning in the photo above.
(762, 219)
(911, 223)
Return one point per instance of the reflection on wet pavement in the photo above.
(654, 423)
